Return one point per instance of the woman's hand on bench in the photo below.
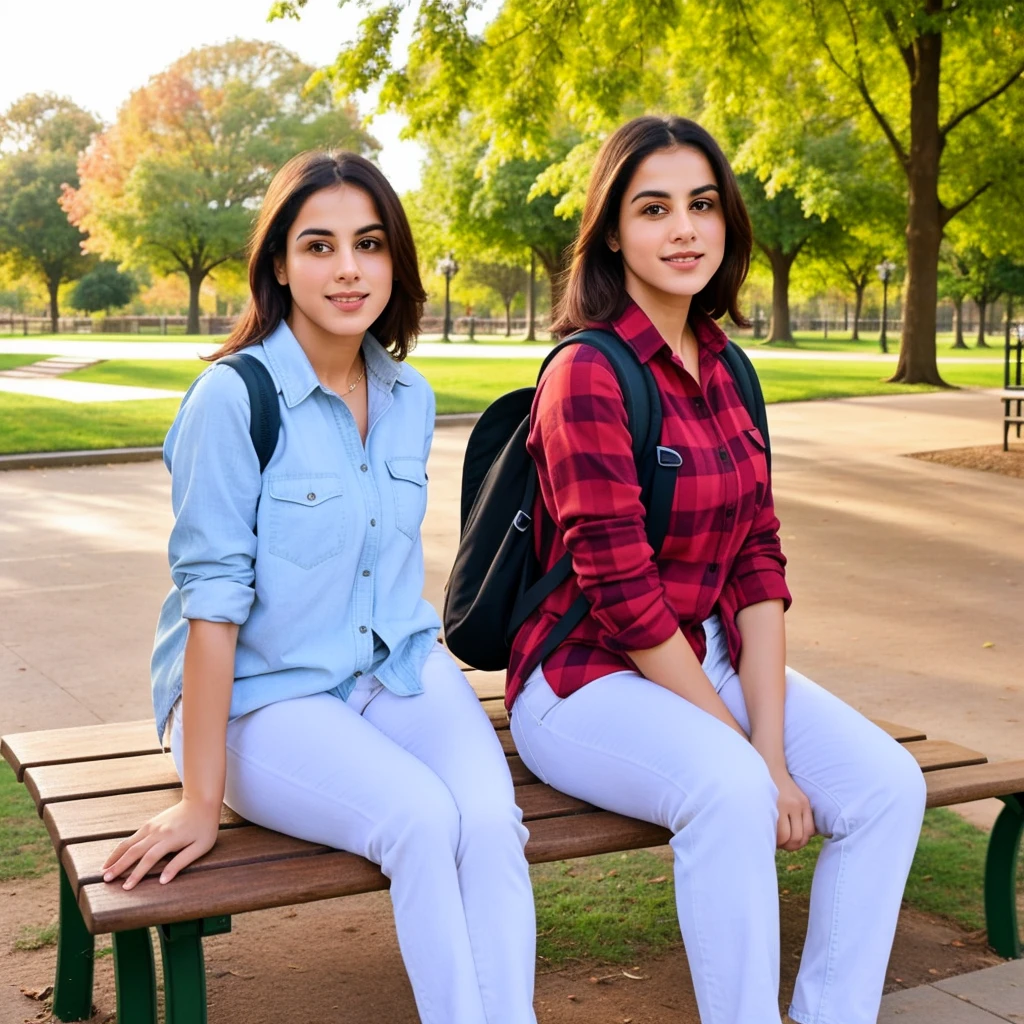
(189, 829)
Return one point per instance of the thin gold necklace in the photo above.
(355, 383)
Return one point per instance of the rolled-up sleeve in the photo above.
(215, 488)
(759, 570)
(581, 442)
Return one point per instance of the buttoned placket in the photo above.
(357, 453)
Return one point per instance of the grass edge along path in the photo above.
(29, 424)
(617, 907)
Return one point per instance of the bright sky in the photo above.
(97, 52)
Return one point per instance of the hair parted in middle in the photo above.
(397, 326)
(595, 289)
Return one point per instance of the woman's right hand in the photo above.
(188, 829)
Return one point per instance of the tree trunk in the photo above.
(508, 318)
(531, 300)
(1009, 320)
(917, 363)
(779, 329)
(858, 305)
(195, 282)
(982, 305)
(958, 324)
(52, 284)
(555, 263)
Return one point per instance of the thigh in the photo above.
(446, 729)
(314, 768)
(835, 755)
(626, 744)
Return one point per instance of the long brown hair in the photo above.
(595, 289)
(397, 326)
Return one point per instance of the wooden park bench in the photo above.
(95, 784)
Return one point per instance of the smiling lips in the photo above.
(683, 260)
(348, 301)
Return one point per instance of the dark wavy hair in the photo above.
(595, 289)
(398, 324)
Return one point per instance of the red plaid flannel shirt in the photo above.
(721, 552)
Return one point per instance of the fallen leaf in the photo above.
(655, 881)
(635, 977)
(38, 993)
(572, 999)
(794, 867)
(931, 970)
(957, 943)
(988, 643)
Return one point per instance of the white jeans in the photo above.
(420, 786)
(628, 745)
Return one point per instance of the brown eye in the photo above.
(655, 209)
(319, 247)
(703, 205)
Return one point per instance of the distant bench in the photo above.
(95, 784)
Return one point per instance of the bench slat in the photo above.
(487, 684)
(975, 782)
(109, 817)
(248, 844)
(25, 750)
(587, 834)
(100, 778)
(900, 733)
(935, 754)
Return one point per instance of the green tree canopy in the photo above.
(103, 288)
(173, 183)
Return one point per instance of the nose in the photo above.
(346, 267)
(682, 227)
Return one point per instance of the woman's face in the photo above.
(337, 264)
(671, 229)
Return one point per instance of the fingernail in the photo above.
(108, 876)
(163, 880)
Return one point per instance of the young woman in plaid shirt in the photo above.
(671, 701)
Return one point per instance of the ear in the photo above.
(612, 241)
(279, 269)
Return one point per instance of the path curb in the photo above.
(108, 456)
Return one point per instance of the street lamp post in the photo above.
(885, 269)
(449, 268)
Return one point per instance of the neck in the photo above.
(668, 313)
(332, 356)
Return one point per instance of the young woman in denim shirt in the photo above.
(296, 664)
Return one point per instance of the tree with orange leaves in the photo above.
(172, 185)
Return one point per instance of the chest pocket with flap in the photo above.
(306, 518)
(409, 486)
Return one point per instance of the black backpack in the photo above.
(264, 409)
(496, 582)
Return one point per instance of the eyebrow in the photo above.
(327, 233)
(656, 194)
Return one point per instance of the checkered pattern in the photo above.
(722, 549)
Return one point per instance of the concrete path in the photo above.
(184, 350)
(43, 380)
(908, 578)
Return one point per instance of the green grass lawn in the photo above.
(815, 341)
(9, 362)
(29, 424)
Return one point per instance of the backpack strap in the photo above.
(742, 369)
(264, 409)
(656, 473)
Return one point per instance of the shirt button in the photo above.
(357, 673)
(730, 512)
(373, 522)
(363, 468)
(311, 496)
(713, 568)
(366, 572)
(723, 454)
(362, 629)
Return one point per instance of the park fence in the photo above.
(12, 323)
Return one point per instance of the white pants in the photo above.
(628, 745)
(420, 786)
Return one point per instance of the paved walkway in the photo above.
(908, 578)
(184, 350)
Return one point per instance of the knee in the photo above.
(493, 825)
(738, 788)
(425, 822)
(892, 789)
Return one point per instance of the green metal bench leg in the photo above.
(134, 977)
(184, 970)
(1001, 878)
(72, 988)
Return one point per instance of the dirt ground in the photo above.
(990, 457)
(338, 961)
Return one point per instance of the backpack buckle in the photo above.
(522, 521)
(669, 457)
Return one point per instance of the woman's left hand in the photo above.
(796, 822)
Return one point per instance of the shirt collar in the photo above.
(296, 378)
(635, 328)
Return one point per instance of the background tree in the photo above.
(954, 284)
(173, 183)
(934, 79)
(104, 288)
(44, 135)
(508, 280)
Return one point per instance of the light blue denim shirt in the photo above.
(319, 560)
